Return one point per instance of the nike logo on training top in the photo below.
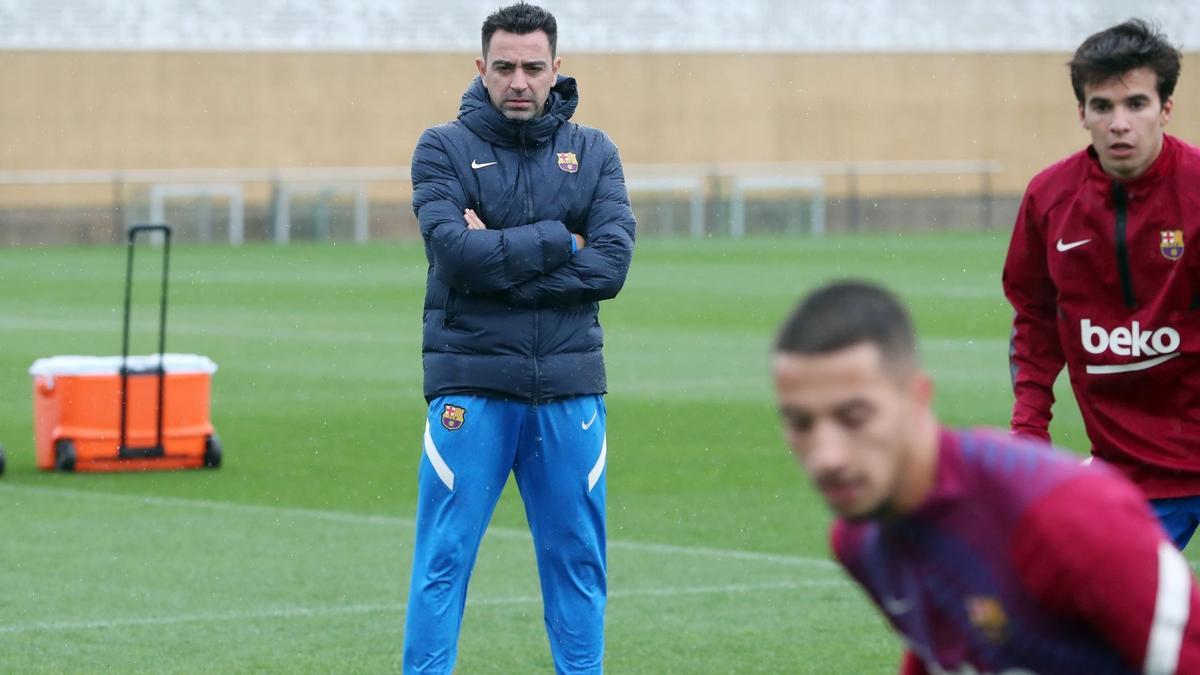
(588, 424)
(1067, 247)
(477, 165)
(1162, 344)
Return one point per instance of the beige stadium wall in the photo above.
(138, 110)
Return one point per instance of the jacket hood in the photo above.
(484, 120)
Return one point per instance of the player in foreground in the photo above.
(527, 227)
(988, 552)
(1100, 278)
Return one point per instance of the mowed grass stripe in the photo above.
(287, 613)
(168, 563)
(345, 518)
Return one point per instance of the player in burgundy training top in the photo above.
(988, 552)
(1101, 278)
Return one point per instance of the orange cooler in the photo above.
(77, 413)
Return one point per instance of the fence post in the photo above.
(985, 196)
(852, 193)
(362, 217)
(117, 222)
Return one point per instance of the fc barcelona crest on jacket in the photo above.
(453, 417)
(567, 162)
(988, 617)
(1172, 244)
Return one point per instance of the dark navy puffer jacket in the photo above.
(511, 311)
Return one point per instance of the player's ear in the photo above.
(556, 64)
(481, 65)
(1168, 106)
(1082, 117)
(922, 389)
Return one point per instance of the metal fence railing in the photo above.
(365, 203)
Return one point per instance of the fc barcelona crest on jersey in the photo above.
(567, 162)
(453, 417)
(988, 617)
(1172, 244)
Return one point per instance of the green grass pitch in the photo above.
(294, 557)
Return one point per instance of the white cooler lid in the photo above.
(111, 365)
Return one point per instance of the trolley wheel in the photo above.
(1, 459)
(64, 455)
(212, 452)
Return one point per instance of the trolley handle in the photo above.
(157, 450)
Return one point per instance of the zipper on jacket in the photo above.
(1121, 204)
(528, 187)
(537, 375)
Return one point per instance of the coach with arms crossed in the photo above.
(527, 226)
(1101, 279)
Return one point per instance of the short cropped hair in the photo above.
(521, 19)
(1120, 49)
(845, 314)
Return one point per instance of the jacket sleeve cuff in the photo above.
(555, 251)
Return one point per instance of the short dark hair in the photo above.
(521, 19)
(844, 314)
(1122, 48)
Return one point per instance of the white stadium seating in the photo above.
(624, 26)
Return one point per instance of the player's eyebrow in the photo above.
(854, 407)
(525, 64)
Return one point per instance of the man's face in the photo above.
(1126, 121)
(850, 422)
(518, 73)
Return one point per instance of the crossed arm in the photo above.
(529, 265)
(474, 222)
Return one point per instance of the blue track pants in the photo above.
(557, 453)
